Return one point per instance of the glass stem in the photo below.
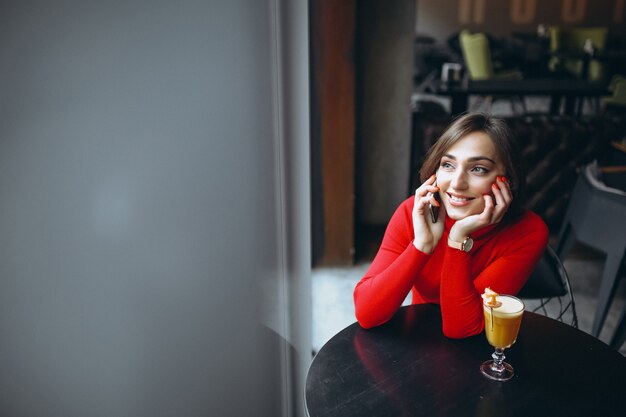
(498, 358)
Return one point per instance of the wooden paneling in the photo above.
(333, 122)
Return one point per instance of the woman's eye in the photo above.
(480, 170)
(446, 165)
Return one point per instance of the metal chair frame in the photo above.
(552, 290)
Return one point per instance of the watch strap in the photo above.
(464, 246)
(455, 245)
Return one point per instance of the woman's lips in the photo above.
(459, 201)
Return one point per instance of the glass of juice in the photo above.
(502, 322)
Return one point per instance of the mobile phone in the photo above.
(434, 210)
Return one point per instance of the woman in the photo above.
(479, 238)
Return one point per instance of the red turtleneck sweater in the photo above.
(502, 258)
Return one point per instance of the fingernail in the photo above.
(495, 187)
(486, 195)
(504, 179)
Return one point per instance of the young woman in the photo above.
(479, 238)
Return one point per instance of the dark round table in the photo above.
(407, 367)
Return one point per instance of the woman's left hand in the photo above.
(491, 214)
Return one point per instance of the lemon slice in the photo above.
(489, 297)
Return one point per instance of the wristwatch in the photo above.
(466, 246)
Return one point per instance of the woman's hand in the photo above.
(427, 233)
(492, 213)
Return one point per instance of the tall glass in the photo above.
(501, 328)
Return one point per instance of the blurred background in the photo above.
(379, 99)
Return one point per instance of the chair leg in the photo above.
(607, 289)
(619, 337)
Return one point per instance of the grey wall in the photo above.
(144, 212)
(384, 85)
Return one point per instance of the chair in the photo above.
(573, 51)
(478, 61)
(564, 41)
(477, 55)
(548, 290)
(617, 99)
(595, 216)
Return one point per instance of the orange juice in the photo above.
(502, 323)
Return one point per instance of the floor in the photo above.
(333, 305)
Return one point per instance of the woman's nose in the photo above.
(459, 180)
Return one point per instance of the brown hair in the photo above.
(501, 136)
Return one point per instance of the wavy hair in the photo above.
(506, 148)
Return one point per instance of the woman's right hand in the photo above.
(427, 233)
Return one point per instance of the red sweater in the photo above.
(502, 258)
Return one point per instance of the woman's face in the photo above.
(466, 172)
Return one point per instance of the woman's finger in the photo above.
(504, 198)
(432, 200)
(505, 189)
(502, 191)
(498, 213)
(429, 199)
(489, 207)
(427, 187)
(420, 201)
(497, 193)
(426, 191)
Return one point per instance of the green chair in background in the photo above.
(571, 41)
(478, 59)
(479, 63)
(618, 88)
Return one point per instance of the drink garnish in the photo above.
(489, 296)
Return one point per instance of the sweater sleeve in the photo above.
(513, 258)
(390, 277)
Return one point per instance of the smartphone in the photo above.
(434, 210)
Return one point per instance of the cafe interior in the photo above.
(392, 79)
(190, 190)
